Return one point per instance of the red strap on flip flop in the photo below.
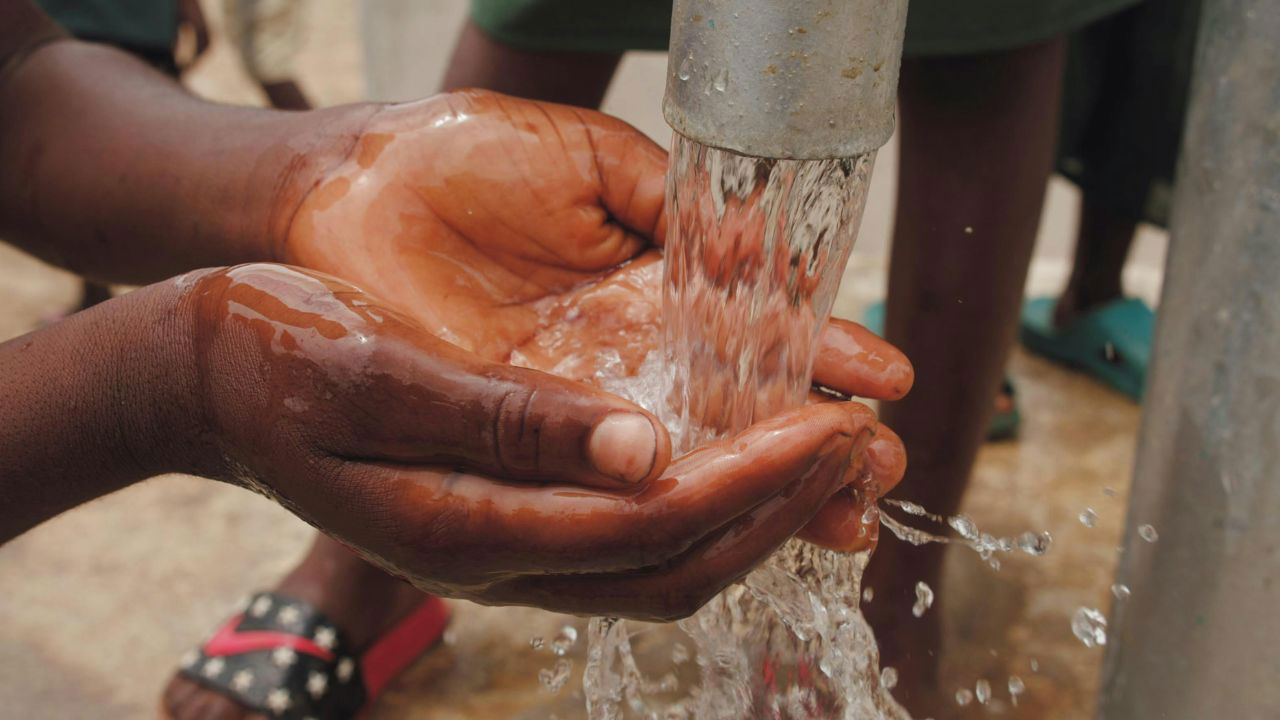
(229, 642)
(400, 646)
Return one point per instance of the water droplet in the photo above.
(963, 525)
(685, 67)
(1090, 626)
(1035, 665)
(1089, 518)
(535, 642)
(964, 696)
(1148, 533)
(888, 678)
(564, 640)
(982, 691)
(721, 80)
(679, 654)
(554, 678)
(911, 508)
(1120, 591)
(924, 599)
(1035, 543)
(868, 594)
(1016, 687)
(1109, 491)
(871, 514)
(968, 230)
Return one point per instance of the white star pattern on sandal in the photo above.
(260, 607)
(213, 668)
(278, 700)
(289, 615)
(283, 656)
(242, 680)
(317, 682)
(325, 637)
(189, 659)
(346, 666)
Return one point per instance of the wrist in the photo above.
(192, 183)
(307, 148)
(150, 385)
(97, 402)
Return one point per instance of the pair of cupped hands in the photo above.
(470, 231)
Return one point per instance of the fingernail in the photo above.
(623, 446)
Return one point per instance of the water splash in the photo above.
(1089, 518)
(1016, 688)
(1148, 533)
(924, 599)
(564, 640)
(1090, 626)
(982, 691)
(554, 678)
(971, 536)
(754, 255)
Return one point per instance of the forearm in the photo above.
(94, 403)
(112, 170)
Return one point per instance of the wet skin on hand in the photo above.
(502, 233)
(321, 396)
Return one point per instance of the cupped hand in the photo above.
(487, 481)
(526, 233)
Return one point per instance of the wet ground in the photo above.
(96, 605)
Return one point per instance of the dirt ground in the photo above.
(96, 605)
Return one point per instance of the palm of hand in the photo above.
(518, 231)
(483, 218)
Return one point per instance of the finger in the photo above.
(497, 529)
(383, 389)
(453, 408)
(844, 523)
(633, 172)
(856, 361)
(678, 588)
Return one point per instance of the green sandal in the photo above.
(1111, 343)
(1004, 424)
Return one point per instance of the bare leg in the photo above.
(978, 135)
(571, 78)
(94, 293)
(286, 95)
(1102, 245)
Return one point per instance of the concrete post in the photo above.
(1200, 636)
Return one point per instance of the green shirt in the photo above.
(148, 25)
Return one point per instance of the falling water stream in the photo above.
(755, 251)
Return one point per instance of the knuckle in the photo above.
(516, 433)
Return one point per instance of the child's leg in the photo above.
(978, 135)
(571, 78)
(1102, 245)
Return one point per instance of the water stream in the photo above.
(754, 256)
(755, 251)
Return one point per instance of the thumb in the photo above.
(509, 422)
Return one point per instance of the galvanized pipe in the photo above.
(804, 79)
(1200, 635)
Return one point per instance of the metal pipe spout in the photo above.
(803, 79)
